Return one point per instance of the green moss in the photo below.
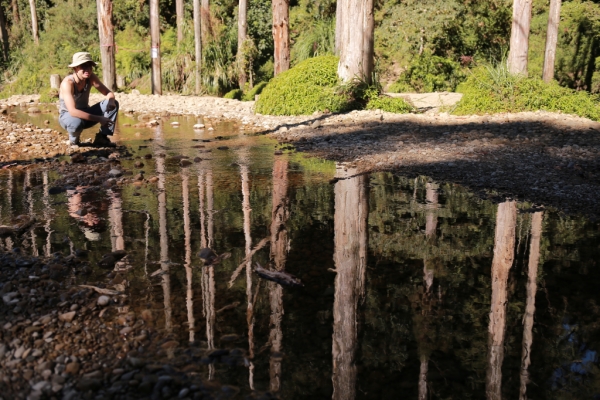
(389, 104)
(235, 94)
(494, 90)
(308, 87)
(257, 89)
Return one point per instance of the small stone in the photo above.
(103, 300)
(115, 173)
(67, 317)
(72, 368)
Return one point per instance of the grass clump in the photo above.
(308, 87)
(429, 73)
(389, 104)
(494, 90)
(257, 89)
(235, 94)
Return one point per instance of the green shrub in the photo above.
(390, 104)
(428, 73)
(257, 89)
(235, 94)
(493, 90)
(308, 87)
(49, 96)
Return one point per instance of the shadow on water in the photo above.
(412, 287)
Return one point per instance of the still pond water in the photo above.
(402, 298)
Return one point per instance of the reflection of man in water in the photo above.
(80, 209)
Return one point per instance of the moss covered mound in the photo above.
(304, 89)
(494, 90)
(389, 104)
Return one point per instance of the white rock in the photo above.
(103, 300)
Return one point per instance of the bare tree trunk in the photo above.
(281, 35)
(3, 34)
(205, 20)
(155, 48)
(242, 28)
(198, 44)
(519, 37)
(354, 39)
(534, 260)
(504, 252)
(179, 12)
(107, 43)
(15, 12)
(551, 39)
(34, 23)
(350, 227)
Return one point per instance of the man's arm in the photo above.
(66, 93)
(104, 90)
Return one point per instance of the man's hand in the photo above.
(105, 121)
(111, 104)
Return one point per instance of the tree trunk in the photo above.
(107, 43)
(3, 34)
(242, 28)
(350, 255)
(519, 37)
(179, 12)
(281, 35)
(155, 48)
(198, 44)
(354, 32)
(551, 39)
(34, 23)
(534, 260)
(504, 252)
(15, 12)
(205, 20)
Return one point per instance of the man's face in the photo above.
(85, 70)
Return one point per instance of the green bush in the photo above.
(257, 89)
(428, 73)
(389, 104)
(235, 94)
(49, 96)
(308, 87)
(493, 90)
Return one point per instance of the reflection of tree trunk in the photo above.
(534, 259)
(34, 249)
(430, 228)
(350, 226)
(47, 215)
(250, 298)
(504, 246)
(209, 208)
(115, 216)
(187, 230)
(279, 246)
(164, 237)
(423, 378)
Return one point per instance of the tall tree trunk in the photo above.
(179, 11)
(155, 47)
(205, 20)
(350, 255)
(534, 260)
(281, 35)
(15, 12)
(198, 44)
(34, 23)
(107, 43)
(504, 252)
(3, 34)
(551, 39)
(242, 28)
(354, 39)
(519, 37)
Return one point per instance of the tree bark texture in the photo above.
(107, 43)
(551, 40)
(534, 260)
(3, 34)
(179, 12)
(155, 48)
(350, 256)
(242, 29)
(504, 252)
(34, 22)
(519, 37)
(281, 35)
(198, 45)
(205, 20)
(354, 38)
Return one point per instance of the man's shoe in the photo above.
(103, 141)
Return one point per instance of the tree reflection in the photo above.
(47, 214)
(504, 250)
(185, 192)
(350, 226)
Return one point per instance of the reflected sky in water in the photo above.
(411, 287)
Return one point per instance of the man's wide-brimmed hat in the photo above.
(81, 58)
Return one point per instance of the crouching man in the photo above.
(75, 112)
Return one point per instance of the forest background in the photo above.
(419, 45)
